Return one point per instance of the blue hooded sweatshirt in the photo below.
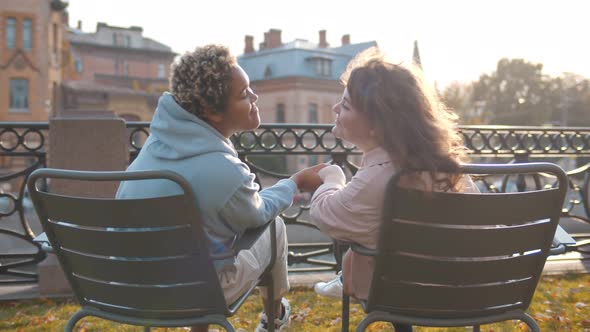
(228, 198)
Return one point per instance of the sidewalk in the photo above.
(567, 263)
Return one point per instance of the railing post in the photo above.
(82, 140)
(521, 157)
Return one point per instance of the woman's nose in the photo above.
(336, 108)
(253, 97)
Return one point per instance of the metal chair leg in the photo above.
(271, 305)
(146, 329)
(476, 328)
(227, 326)
(530, 322)
(345, 311)
(74, 319)
(364, 324)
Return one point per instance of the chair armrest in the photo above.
(44, 242)
(363, 250)
(561, 241)
(357, 248)
(245, 241)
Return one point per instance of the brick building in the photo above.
(47, 66)
(116, 68)
(31, 58)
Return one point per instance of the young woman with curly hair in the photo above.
(397, 122)
(210, 99)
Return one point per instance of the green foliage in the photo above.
(561, 303)
(519, 93)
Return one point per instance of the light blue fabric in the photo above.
(228, 197)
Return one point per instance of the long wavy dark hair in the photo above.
(409, 120)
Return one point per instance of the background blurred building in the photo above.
(116, 68)
(47, 66)
(297, 81)
(31, 58)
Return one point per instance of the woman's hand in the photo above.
(307, 179)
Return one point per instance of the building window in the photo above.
(128, 41)
(313, 113)
(19, 95)
(114, 38)
(161, 71)
(125, 69)
(27, 34)
(10, 32)
(280, 113)
(79, 65)
(267, 72)
(323, 67)
(55, 34)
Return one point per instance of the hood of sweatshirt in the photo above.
(178, 134)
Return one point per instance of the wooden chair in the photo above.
(138, 261)
(460, 259)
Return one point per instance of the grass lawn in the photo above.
(561, 303)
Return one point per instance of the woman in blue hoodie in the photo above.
(210, 99)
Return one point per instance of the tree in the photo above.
(457, 97)
(574, 106)
(517, 93)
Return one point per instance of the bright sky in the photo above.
(458, 40)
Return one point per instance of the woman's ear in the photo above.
(210, 116)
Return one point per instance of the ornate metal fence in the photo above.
(288, 147)
(22, 150)
(274, 151)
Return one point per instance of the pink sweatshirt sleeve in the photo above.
(338, 210)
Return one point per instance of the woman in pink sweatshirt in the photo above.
(397, 122)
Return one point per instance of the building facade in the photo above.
(47, 66)
(299, 81)
(31, 58)
(117, 69)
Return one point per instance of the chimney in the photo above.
(323, 42)
(345, 40)
(79, 27)
(264, 43)
(273, 38)
(249, 44)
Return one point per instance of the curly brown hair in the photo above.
(410, 122)
(202, 79)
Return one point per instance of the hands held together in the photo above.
(309, 179)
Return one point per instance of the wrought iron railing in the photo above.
(22, 150)
(315, 142)
(274, 151)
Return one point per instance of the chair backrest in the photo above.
(447, 254)
(143, 257)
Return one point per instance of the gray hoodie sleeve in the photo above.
(249, 208)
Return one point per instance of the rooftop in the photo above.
(298, 58)
(117, 37)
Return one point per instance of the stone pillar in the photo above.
(82, 140)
